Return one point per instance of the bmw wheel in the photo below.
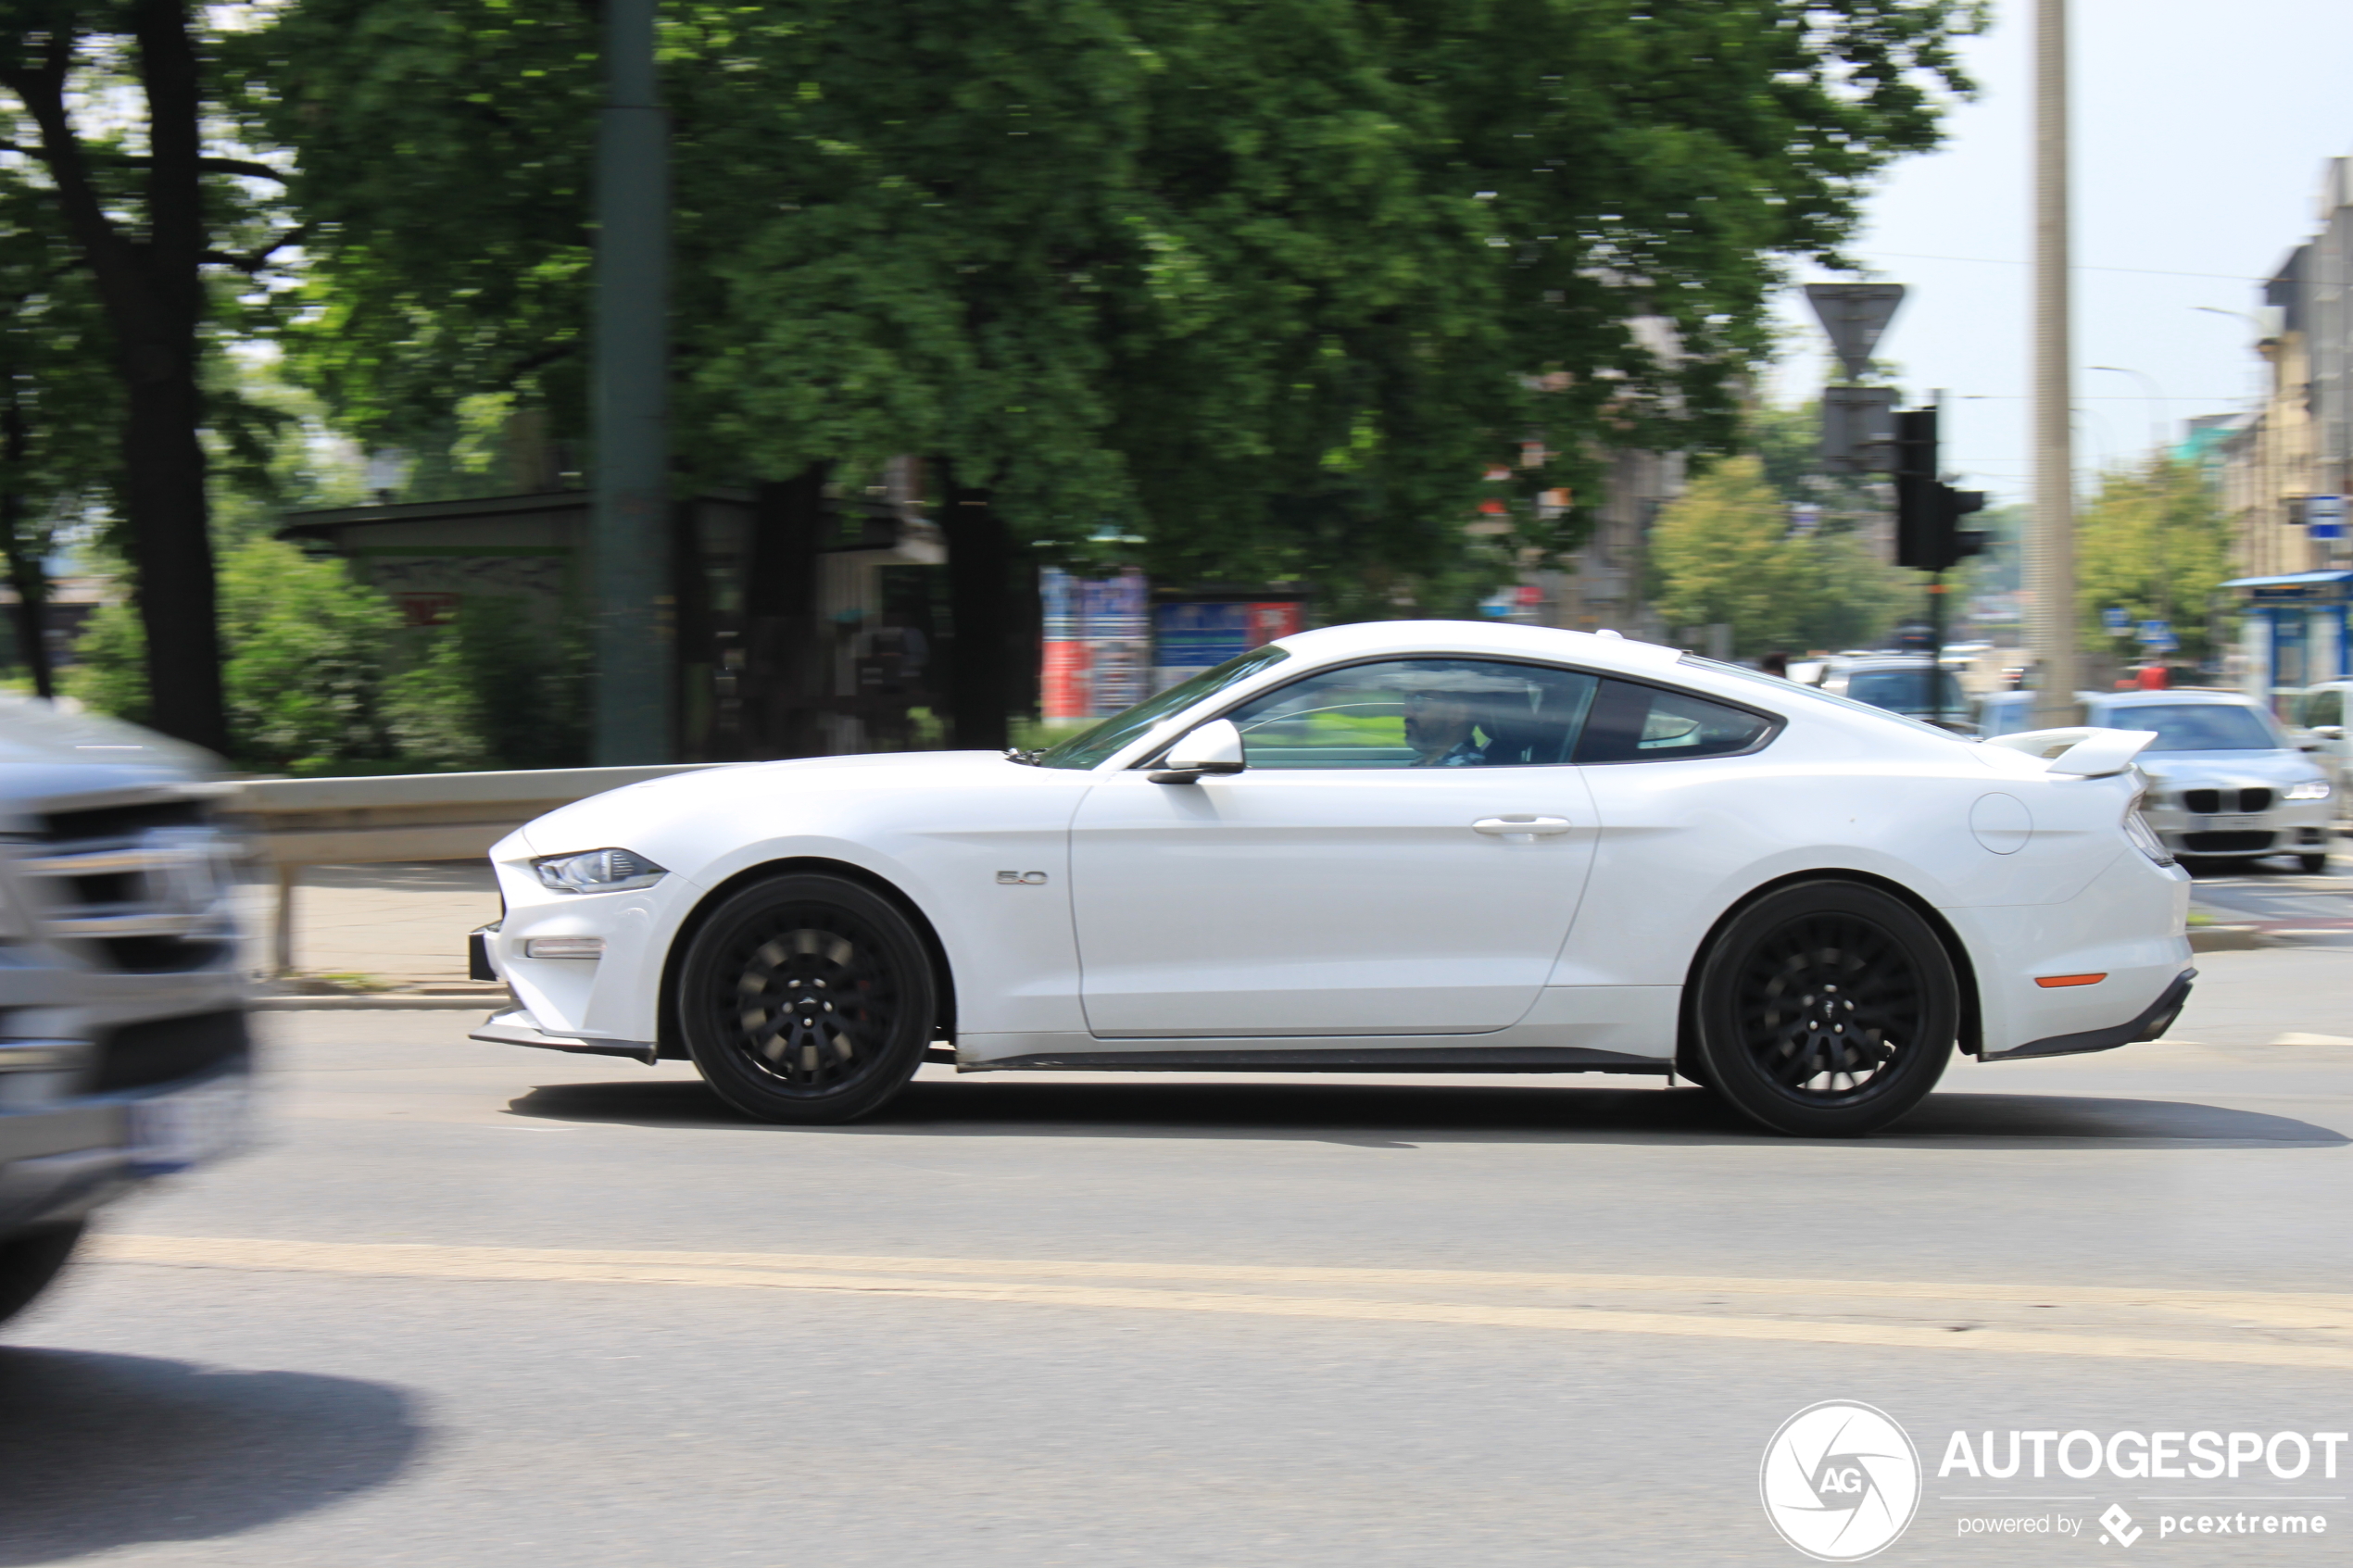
(806, 998)
(1827, 1009)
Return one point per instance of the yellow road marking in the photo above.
(1035, 1282)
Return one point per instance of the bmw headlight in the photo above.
(2143, 836)
(2311, 789)
(596, 870)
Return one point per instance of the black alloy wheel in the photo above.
(806, 998)
(1826, 1010)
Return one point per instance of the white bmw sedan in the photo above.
(1401, 846)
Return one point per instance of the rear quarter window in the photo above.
(1637, 723)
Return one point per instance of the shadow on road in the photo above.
(1430, 1113)
(103, 1451)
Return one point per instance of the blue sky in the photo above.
(2200, 130)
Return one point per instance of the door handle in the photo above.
(1521, 828)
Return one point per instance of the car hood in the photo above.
(2225, 769)
(631, 816)
(46, 753)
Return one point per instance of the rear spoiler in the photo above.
(2081, 749)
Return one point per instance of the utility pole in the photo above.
(630, 516)
(2051, 540)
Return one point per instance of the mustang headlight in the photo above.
(2311, 789)
(2144, 837)
(598, 870)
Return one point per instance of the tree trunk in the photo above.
(164, 503)
(28, 571)
(786, 687)
(151, 288)
(978, 677)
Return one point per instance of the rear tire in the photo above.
(806, 1000)
(2313, 865)
(27, 1262)
(1826, 1010)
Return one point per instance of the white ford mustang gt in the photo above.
(1401, 846)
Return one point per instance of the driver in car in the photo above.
(1441, 732)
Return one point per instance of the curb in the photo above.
(389, 1002)
(2227, 939)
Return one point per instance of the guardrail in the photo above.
(299, 823)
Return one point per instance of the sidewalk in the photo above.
(390, 929)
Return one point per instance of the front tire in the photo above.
(1826, 1010)
(806, 1000)
(2313, 865)
(30, 1262)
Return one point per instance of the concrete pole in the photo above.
(630, 517)
(2051, 541)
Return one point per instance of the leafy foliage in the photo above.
(1264, 284)
(306, 651)
(494, 689)
(2155, 541)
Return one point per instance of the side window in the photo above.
(1634, 724)
(1418, 713)
(2327, 706)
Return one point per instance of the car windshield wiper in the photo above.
(1026, 758)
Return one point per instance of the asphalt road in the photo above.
(471, 1304)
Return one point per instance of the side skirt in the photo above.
(1460, 1058)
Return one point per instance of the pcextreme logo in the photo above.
(1841, 1481)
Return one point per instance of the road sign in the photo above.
(1855, 314)
(2154, 631)
(2117, 619)
(2326, 514)
(1859, 429)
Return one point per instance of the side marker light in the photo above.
(2052, 982)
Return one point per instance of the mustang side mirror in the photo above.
(1214, 747)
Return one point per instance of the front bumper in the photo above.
(176, 1095)
(2299, 827)
(517, 1029)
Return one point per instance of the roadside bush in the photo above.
(495, 689)
(320, 678)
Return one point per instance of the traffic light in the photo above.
(1928, 512)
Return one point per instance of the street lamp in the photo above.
(2156, 400)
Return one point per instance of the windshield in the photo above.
(1906, 691)
(1089, 746)
(2196, 727)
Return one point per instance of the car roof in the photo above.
(1371, 638)
(2176, 697)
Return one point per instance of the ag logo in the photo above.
(1841, 1481)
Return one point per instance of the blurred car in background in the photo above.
(2225, 780)
(1899, 683)
(124, 1052)
(2320, 728)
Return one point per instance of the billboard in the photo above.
(1097, 644)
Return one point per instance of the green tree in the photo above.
(1265, 285)
(60, 410)
(154, 221)
(2154, 543)
(308, 651)
(493, 689)
(1722, 554)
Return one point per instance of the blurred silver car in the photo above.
(124, 1053)
(2226, 782)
